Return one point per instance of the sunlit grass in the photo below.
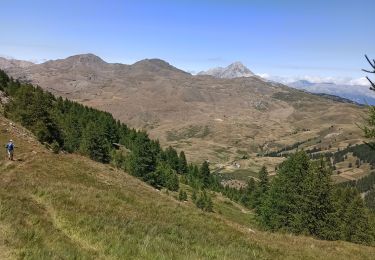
(68, 207)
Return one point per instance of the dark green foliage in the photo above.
(163, 176)
(363, 152)
(261, 188)
(34, 109)
(263, 180)
(363, 184)
(118, 159)
(284, 206)
(200, 178)
(353, 218)
(172, 158)
(4, 79)
(205, 174)
(302, 200)
(249, 194)
(194, 196)
(283, 152)
(141, 160)
(172, 182)
(55, 147)
(182, 195)
(204, 201)
(370, 199)
(94, 144)
(182, 163)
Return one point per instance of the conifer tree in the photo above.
(140, 161)
(94, 144)
(284, 205)
(248, 196)
(204, 202)
(263, 180)
(261, 188)
(205, 174)
(321, 220)
(182, 163)
(172, 158)
(354, 222)
(370, 199)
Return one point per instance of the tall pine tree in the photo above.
(182, 163)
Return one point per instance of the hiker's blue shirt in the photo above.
(10, 146)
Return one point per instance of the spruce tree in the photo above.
(249, 194)
(261, 188)
(284, 205)
(94, 144)
(182, 163)
(354, 222)
(321, 220)
(370, 200)
(140, 161)
(172, 158)
(204, 201)
(205, 174)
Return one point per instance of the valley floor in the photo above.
(67, 207)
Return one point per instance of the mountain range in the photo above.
(357, 93)
(210, 118)
(354, 92)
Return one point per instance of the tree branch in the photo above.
(372, 64)
(372, 83)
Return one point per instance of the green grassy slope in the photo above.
(66, 206)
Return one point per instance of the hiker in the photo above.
(10, 149)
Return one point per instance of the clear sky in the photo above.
(285, 38)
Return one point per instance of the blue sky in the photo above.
(284, 38)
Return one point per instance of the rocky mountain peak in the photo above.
(85, 59)
(234, 70)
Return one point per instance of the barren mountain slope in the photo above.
(207, 117)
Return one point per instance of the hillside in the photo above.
(207, 117)
(66, 206)
(12, 63)
(227, 121)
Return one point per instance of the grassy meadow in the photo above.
(64, 206)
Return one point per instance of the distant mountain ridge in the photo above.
(356, 93)
(234, 70)
(11, 63)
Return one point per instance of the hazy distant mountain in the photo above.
(235, 70)
(358, 93)
(10, 63)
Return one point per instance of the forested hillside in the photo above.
(65, 206)
(300, 199)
